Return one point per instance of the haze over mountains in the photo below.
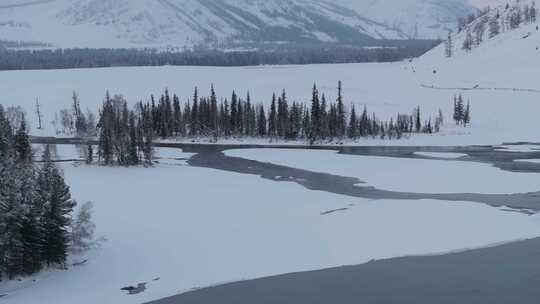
(223, 23)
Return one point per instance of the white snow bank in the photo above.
(441, 155)
(536, 161)
(519, 148)
(397, 174)
(190, 227)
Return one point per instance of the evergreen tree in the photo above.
(468, 42)
(467, 114)
(89, 154)
(133, 155)
(353, 125)
(195, 124)
(315, 129)
(56, 216)
(418, 123)
(449, 46)
(261, 122)
(22, 144)
(342, 124)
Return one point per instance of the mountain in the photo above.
(185, 23)
(416, 18)
(223, 23)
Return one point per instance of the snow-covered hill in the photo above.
(415, 18)
(507, 58)
(222, 23)
(179, 23)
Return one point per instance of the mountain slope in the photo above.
(505, 60)
(416, 18)
(181, 23)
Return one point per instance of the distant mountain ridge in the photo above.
(415, 18)
(177, 24)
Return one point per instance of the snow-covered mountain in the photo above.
(178, 23)
(415, 18)
(222, 23)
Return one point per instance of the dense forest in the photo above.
(93, 58)
(36, 227)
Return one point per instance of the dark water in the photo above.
(500, 275)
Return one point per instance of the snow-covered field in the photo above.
(397, 174)
(441, 155)
(194, 227)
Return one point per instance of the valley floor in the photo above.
(177, 227)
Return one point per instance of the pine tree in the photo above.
(315, 129)
(342, 124)
(106, 129)
(82, 235)
(272, 118)
(467, 114)
(56, 217)
(22, 144)
(133, 155)
(468, 42)
(325, 132)
(6, 134)
(418, 123)
(353, 125)
(449, 46)
(234, 113)
(195, 124)
(89, 154)
(261, 122)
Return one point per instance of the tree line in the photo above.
(125, 136)
(94, 58)
(36, 208)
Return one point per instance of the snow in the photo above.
(171, 24)
(417, 18)
(397, 174)
(535, 160)
(441, 155)
(519, 148)
(364, 85)
(189, 227)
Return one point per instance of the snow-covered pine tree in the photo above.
(342, 123)
(56, 217)
(467, 114)
(272, 118)
(449, 46)
(494, 26)
(468, 42)
(315, 129)
(22, 144)
(82, 230)
(261, 122)
(418, 120)
(353, 124)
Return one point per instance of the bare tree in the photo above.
(39, 114)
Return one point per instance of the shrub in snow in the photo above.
(82, 235)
